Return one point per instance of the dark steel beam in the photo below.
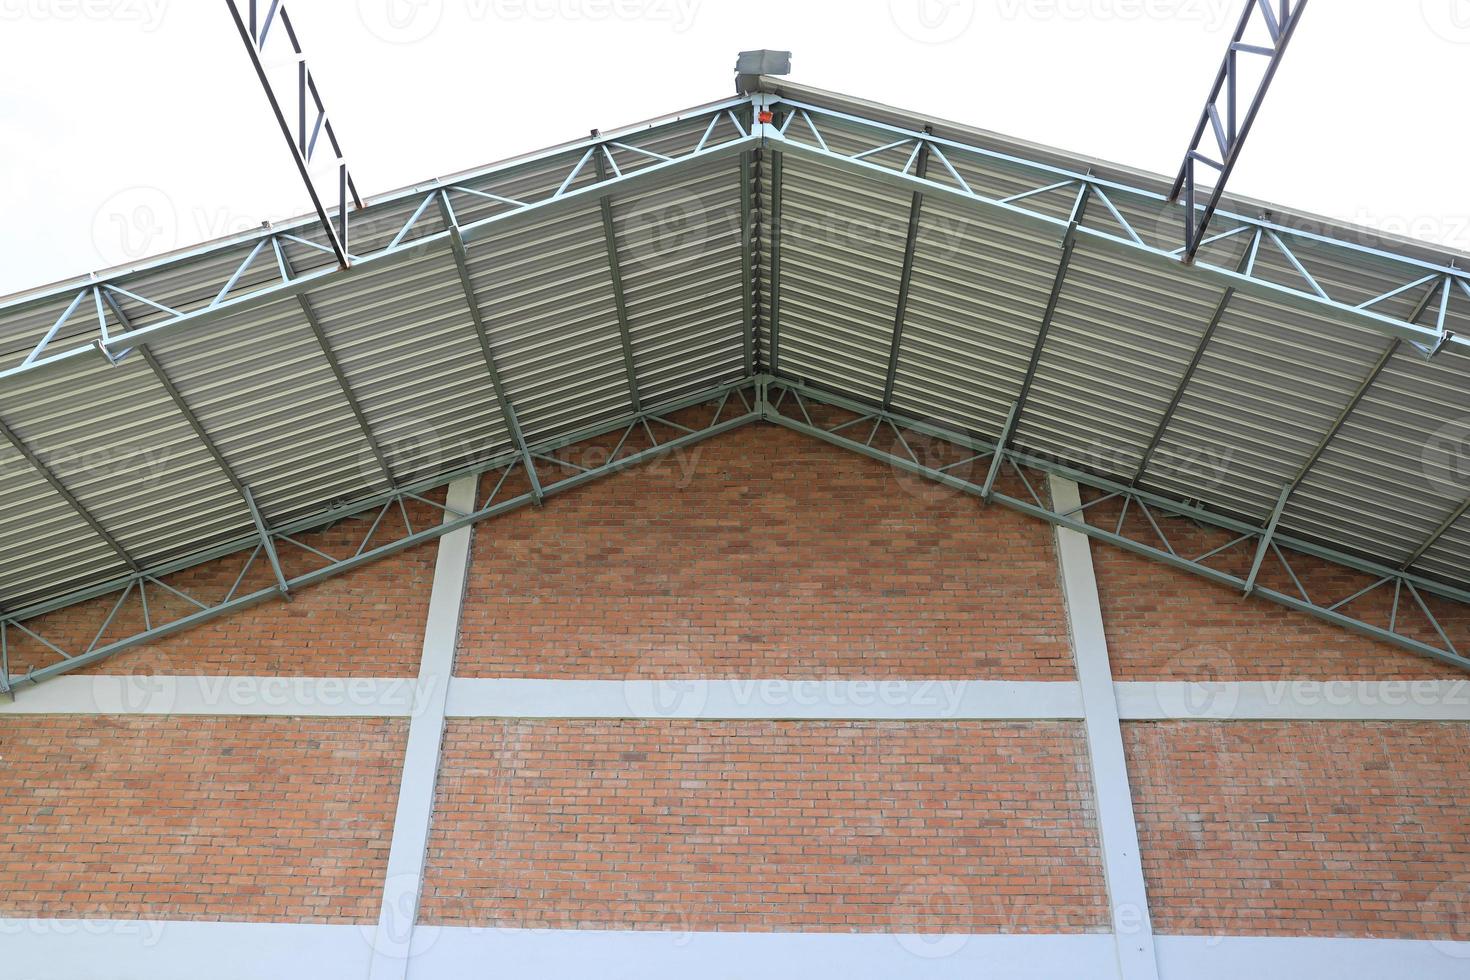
(609, 236)
(777, 158)
(1188, 375)
(747, 248)
(921, 170)
(1069, 244)
(507, 410)
(330, 355)
(61, 491)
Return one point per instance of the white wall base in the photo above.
(98, 949)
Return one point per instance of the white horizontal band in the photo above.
(53, 949)
(817, 700)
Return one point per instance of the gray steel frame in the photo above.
(1268, 542)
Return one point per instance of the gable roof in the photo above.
(1301, 384)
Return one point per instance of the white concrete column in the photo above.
(1118, 833)
(404, 877)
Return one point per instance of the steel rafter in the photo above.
(233, 297)
(46, 473)
(1194, 361)
(1069, 243)
(774, 316)
(733, 407)
(176, 396)
(1230, 131)
(911, 240)
(747, 259)
(1310, 296)
(507, 410)
(790, 408)
(609, 235)
(330, 356)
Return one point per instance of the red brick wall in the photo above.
(196, 818)
(764, 553)
(756, 826)
(366, 623)
(1304, 828)
(1167, 624)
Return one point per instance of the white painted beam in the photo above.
(195, 694)
(1401, 700)
(1118, 833)
(407, 852)
(770, 698)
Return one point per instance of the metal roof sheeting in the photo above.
(1134, 378)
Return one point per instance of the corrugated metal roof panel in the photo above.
(842, 246)
(272, 407)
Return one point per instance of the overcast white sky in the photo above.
(128, 121)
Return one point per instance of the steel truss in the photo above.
(893, 152)
(733, 406)
(790, 403)
(411, 239)
(303, 144)
(1230, 130)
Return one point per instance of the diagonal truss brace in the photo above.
(733, 407)
(1407, 588)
